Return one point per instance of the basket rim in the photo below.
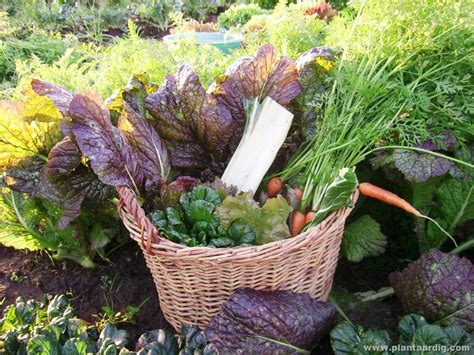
(129, 210)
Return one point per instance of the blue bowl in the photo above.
(225, 42)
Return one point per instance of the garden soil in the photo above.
(123, 282)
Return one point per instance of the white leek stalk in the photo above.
(266, 130)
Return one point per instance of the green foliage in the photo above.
(414, 330)
(239, 15)
(385, 88)
(289, 30)
(158, 11)
(196, 223)
(105, 69)
(268, 221)
(363, 238)
(31, 223)
(40, 328)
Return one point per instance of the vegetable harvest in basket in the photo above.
(196, 158)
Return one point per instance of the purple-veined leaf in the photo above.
(60, 97)
(276, 322)
(147, 145)
(196, 127)
(265, 74)
(105, 146)
(63, 158)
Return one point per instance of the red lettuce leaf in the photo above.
(261, 322)
(249, 78)
(195, 126)
(150, 150)
(438, 286)
(105, 146)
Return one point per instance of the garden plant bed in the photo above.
(306, 189)
(32, 275)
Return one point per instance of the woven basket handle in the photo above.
(133, 215)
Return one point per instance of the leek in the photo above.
(265, 131)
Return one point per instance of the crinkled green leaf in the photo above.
(363, 238)
(268, 222)
(453, 205)
(200, 193)
(269, 322)
(150, 150)
(241, 233)
(195, 126)
(457, 201)
(337, 195)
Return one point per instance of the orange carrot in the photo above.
(274, 186)
(297, 223)
(298, 193)
(378, 193)
(309, 217)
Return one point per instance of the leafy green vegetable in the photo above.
(338, 194)
(415, 332)
(239, 15)
(270, 322)
(195, 222)
(268, 222)
(353, 339)
(363, 238)
(31, 223)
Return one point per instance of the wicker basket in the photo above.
(192, 283)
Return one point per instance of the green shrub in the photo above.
(239, 15)
(288, 29)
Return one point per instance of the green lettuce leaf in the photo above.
(268, 222)
(363, 238)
